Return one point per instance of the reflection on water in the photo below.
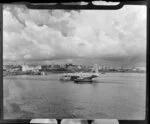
(112, 95)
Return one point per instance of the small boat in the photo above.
(79, 76)
(83, 79)
(65, 78)
(69, 77)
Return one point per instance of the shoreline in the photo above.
(36, 75)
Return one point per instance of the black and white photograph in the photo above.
(69, 63)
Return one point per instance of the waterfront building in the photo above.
(100, 68)
(34, 68)
(139, 69)
(12, 68)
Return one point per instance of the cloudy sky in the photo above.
(99, 36)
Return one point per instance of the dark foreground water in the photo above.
(112, 95)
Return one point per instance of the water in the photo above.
(112, 95)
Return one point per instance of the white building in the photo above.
(141, 68)
(34, 68)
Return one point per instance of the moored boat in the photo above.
(69, 77)
(83, 79)
(79, 77)
(65, 78)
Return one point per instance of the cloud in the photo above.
(11, 24)
(59, 34)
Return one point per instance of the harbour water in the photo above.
(112, 95)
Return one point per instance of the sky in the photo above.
(114, 37)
